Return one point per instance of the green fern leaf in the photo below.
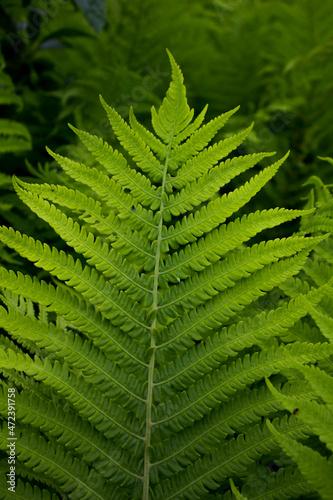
(286, 483)
(24, 491)
(317, 470)
(67, 472)
(75, 434)
(114, 162)
(139, 359)
(231, 459)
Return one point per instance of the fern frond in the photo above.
(318, 416)
(121, 203)
(174, 114)
(15, 136)
(140, 370)
(316, 466)
(191, 128)
(287, 482)
(130, 242)
(318, 271)
(98, 253)
(203, 285)
(191, 168)
(321, 382)
(25, 491)
(204, 357)
(241, 410)
(7, 97)
(324, 322)
(237, 495)
(115, 197)
(109, 418)
(226, 304)
(14, 144)
(317, 470)
(148, 138)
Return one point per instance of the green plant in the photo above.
(32, 35)
(316, 468)
(140, 368)
(313, 459)
(14, 135)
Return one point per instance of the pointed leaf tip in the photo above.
(72, 127)
(104, 104)
(176, 71)
(170, 55)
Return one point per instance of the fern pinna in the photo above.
(140, 368)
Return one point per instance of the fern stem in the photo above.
(149, 404)
(150, 388)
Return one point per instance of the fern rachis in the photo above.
(145, 334)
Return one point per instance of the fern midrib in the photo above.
(150, 388)
(197, 165)
(196, 188)
(204, 157)
(188, 146)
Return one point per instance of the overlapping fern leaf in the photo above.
(140, 365)
(314, 462)
(316, 466)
